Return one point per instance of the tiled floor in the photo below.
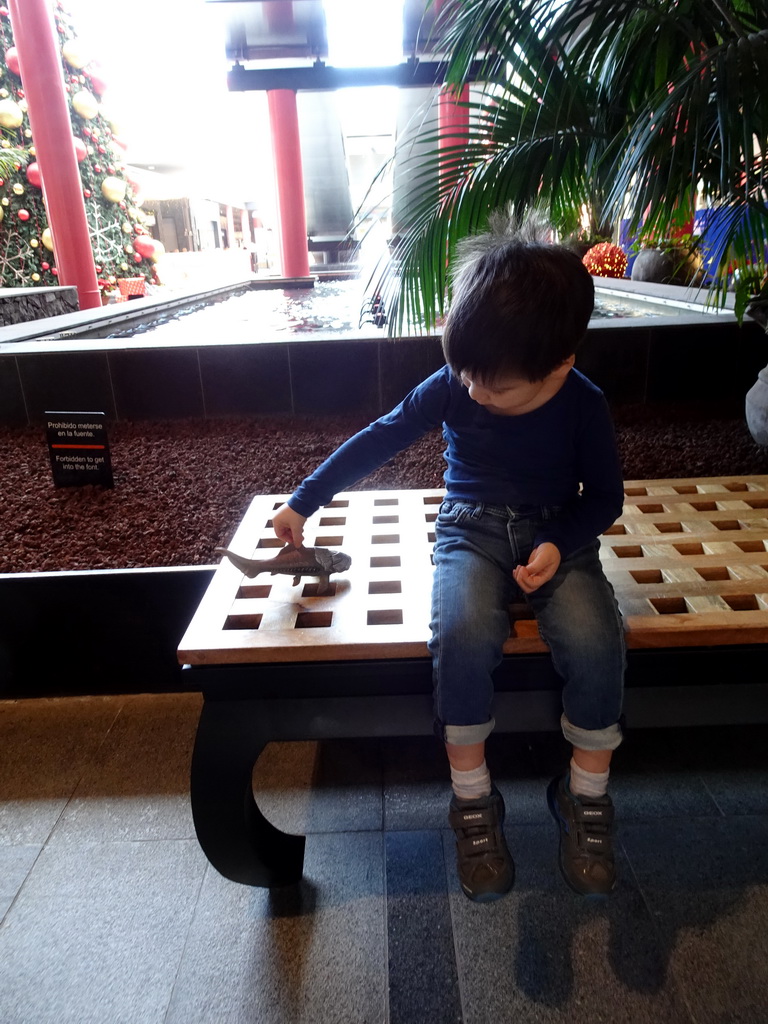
(110, 912)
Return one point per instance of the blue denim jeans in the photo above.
(476, 549)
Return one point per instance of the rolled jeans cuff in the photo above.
(464, 735)
(592, 739)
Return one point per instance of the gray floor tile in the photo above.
(45, 746)
(309, 954)
(543, 955)
(660, 795)
(417, 782)
(330, 786)
(706, 882)
(15, 864)
(97, 932)
(423, 983)
(137, 786)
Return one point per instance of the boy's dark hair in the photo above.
(520, 304)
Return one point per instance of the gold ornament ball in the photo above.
(35, 277)
(5, 144)
(11, 114)
(23, 106)
(113, 189)
(73, 53)
(5, 201)
(127, 229)
(27, 133)
(123, 266)
(4, 94)
(2, 214)
(47, 239)
(85, 104)
(34, 243)
(18, 190)
(128, 249)
(159, 251)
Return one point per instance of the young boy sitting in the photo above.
(532, 479)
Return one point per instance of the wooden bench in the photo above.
(688, 560)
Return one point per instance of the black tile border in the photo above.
(67, 380)
(13, 409)
(638, 363)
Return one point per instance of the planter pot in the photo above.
(667, 266)
(756, 408)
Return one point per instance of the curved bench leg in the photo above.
(235, 836)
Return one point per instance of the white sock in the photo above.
(471, 785)
(588, 784)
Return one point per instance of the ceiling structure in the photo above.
(284, 44)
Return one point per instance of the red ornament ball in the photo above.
(46, 266)
(23, 214)
(80, 151)
(144, 245)
(3, 12)
(98, 84)
(97, 168)
(606, 260)
(102, 149)
(12, 60)
(87, 193)
(33, 175)
(136, 258)
(54, 271)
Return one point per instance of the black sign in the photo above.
(78, 448)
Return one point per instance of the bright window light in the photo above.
(362, 35)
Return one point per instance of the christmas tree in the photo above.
(122, 245)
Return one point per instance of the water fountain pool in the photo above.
(331, 309)
(304, 351)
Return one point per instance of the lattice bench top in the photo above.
(688, 560)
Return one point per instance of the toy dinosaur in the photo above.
(296, 562)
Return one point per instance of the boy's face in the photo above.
(513, 396)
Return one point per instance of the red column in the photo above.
(37, 43)
(452, 115)
(284, 124)
(452, 118)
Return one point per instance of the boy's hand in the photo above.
(542, 566)
(289, 526)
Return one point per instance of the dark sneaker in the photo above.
(586, 839)
(486, 869)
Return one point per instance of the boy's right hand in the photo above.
(289, 526)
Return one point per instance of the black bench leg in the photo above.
(235, 836)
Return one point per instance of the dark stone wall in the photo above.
(20, 305)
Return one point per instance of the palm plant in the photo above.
(617, 108)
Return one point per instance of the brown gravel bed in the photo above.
(182, 486)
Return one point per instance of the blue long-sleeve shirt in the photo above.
(562, 454)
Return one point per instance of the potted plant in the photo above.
(671, 260)
(569, 111)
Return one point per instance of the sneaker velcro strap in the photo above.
(591, 843)
(593, 814)
(478, 817)
(474, 846)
